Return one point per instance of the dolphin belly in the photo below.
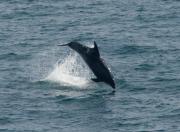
(101, 71)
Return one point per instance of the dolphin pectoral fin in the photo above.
(96, 80)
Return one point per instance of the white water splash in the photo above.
(71, 71)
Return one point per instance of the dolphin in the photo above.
(93, 59)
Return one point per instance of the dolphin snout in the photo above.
(63, 45)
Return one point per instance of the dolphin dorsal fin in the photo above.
(96, 50)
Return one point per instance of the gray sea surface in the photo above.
(46, 88)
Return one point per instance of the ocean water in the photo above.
(46, 88)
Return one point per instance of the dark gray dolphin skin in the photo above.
(92, 58)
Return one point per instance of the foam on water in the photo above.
(71, 71)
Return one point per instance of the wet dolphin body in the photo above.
(92, 58)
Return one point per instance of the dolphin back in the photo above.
(93, 51)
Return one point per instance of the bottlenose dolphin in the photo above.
(92, 58)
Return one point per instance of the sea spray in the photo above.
(71, 71)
